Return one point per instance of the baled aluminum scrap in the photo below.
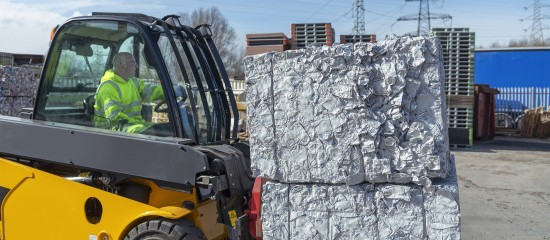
(260, 112)
(349, 113)
(18, 86)
(400, 211)
(11, 106)
(317, 211)
(18, 81)
(275, 205)
(363, 211)
(442, 208)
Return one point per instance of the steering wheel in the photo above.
(158, 107)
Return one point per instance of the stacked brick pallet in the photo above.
(17, 88)
(266, 42)
(308, 34)
(352, 140)
(357, 38)
(458, 52)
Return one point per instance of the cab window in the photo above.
(81, 54)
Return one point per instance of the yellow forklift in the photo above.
(187, 176)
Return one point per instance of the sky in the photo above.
(25, 24)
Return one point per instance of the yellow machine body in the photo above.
(39, 205)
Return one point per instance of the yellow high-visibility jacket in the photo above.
(118, 102)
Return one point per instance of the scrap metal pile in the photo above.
(353, 139)
(363, 211)
(17, 89)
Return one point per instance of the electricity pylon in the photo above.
(359, 14)
(423, 17)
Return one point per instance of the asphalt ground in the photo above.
(504, 187)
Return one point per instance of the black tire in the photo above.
(164, 229)
(503, 120)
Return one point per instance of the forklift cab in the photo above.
(198, 103)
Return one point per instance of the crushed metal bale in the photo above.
(18, 86)
(351, 113)
(363, 211)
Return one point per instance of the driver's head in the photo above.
(124, 65)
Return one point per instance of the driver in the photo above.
(120, 94)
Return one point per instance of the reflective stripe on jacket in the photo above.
(119, 101)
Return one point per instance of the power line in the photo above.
(424, 16)
(380, 14)
(324, 5)
(388, 21)
(343, 15)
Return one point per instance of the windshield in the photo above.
(84, 86)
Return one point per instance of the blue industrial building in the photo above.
(522, 75)
(512, 67)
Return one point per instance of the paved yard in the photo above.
(505, 189)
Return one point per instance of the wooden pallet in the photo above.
(536, 123)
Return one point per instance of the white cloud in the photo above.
(25, 28)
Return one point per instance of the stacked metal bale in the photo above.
(363, 211)
(349, 114)
(18, 86)
(367, 115)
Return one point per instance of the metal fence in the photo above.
(237, 85)
(512, 101)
